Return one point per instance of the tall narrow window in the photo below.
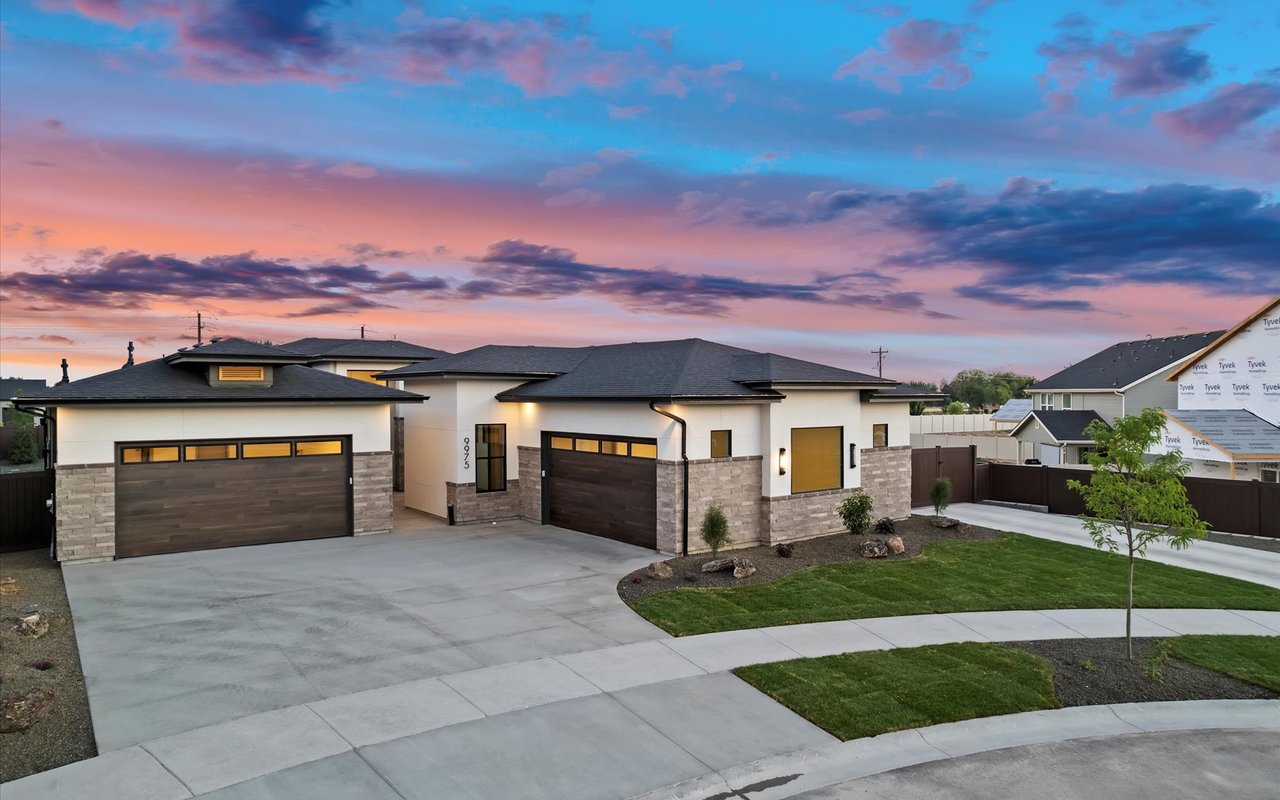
(815, 459)
(880, 435)
(721, 444)
(491, 458)
(1066, 401)
(1046, 401)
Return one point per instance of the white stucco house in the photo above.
(1226, 422)
(223, 444)
(635, 441)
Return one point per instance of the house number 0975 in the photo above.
(466, 452)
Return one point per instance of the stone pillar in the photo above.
(734, 485)
(84, 497)
(371, 492)
(671, 507)
(529, 504)
(886, 476)
(472, 506)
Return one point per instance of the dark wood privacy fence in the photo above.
(25, 521)
(1250, 507)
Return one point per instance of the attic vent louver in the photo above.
(241, 373)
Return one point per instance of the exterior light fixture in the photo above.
(853, 455)
(782, 461)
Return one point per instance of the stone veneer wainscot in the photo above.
(371, 475)
(85, 497)
(886, 476)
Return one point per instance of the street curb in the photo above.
(807, 770)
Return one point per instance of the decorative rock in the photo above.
(896, 545)
(875, 548)
(743, 568)
(20, 711)
(660, 571)
(33, 625)
(943, 522)
(718, 564)
(28, 610)
(8, 585)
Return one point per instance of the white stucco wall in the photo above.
(815, 408)
(88, 435)
(1242, 373)
(429, 432)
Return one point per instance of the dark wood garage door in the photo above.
(177, 496)
(603, 485)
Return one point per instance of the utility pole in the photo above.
(361, 331)
(199, 329)
(880, 353)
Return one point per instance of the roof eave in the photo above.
(37, 402)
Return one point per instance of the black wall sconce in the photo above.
(782, 461)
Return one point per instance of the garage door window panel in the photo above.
(326, 447)
(491, 458)
(149, 455)
(816, 459)
(267, 449)
(209, 452)
(641, 450)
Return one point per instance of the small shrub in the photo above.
(855, 511)
(715, 529)
(785, 550)
(1153, 668)
(886, 526)
(23, 450)
(1087, 665)
(691, 577)
(41, 664)
(637, 578)
(940, 495)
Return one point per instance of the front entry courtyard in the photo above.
(176, 642)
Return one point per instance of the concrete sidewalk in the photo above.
(651, 714)
(1256, 566)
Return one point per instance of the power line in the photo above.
(880, 353)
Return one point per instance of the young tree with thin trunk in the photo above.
(1134, 499)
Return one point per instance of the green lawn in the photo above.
(866, 694)
(1012, 572)
(1255, 659)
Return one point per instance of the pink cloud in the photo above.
(1230, 108)
(627, 112)
(914, 47)
(865, 115)
(677, 79)
(352, 169)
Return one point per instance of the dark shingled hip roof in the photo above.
(1123, 363)
(160, 382)
(235, 350)
(687, 369)
(12, 386)
(1063, 426)
(376, 349)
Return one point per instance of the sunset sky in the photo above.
(989, 183)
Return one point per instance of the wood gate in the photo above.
(25, 520)
(930, 463)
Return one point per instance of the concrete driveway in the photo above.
(177, 642)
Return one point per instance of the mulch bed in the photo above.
(1115, 679)
(916, 532)
(66, 734)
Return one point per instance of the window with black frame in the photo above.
(491, 458)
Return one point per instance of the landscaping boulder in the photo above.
(718, 564)
(875, 548)
(660, 571)
(33, 625)
(20, 711)
(743, 568)
(896, 545)
(943, 522)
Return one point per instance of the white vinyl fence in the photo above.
(951, 423)
(992, 448)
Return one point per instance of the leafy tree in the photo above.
(855, 512)
(1134, 500)
(715, 529)
(917, 407)
(23, 450)
(955, 407)
(940, 495)
(987, 391)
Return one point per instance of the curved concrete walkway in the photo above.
(1247, 564)
(839, 768)
(472, 720)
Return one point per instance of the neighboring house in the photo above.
(1227, 420)
(1119, 381)
(223, 444)
(14, 387)
(605, 440)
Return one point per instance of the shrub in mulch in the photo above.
(41, 664)
(785, 550)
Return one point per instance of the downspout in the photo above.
(1120, 393)
(684, 457)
